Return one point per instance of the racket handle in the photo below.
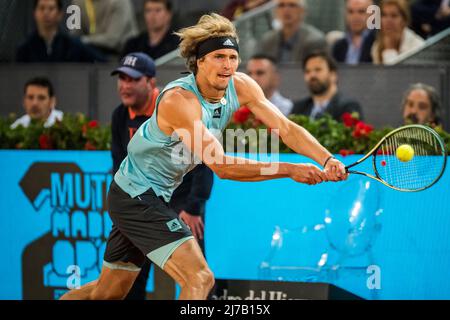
(348, 167)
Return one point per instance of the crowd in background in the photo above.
(109, 32)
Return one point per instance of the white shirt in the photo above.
(410, 41)
(284, 104)
(25, 120)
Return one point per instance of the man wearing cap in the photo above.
(136, 85)
(137, 89)
(190, 112)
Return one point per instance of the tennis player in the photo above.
(188, 111)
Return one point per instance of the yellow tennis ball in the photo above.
(405, 153)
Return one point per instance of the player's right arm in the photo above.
(179, 111)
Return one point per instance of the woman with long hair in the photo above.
(394, 38)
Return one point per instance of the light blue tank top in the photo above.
(149, 163)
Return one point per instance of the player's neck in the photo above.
(208, 92)
(212, 98)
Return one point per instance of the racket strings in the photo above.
(422, 170)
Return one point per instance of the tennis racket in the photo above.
(410, 158)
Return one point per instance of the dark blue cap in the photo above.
(136, 65)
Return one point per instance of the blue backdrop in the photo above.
(359, 235)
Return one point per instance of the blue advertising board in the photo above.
(358, 235)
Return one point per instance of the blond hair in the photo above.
(209, 26)
(404, 9)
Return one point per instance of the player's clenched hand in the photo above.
(307, 173)
(335, 170)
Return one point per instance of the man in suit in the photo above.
(158, 38)
(320, 74)
(355, 47)
(296, 38)
(263, 69)
(48, 43)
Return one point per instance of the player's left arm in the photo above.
(293, 135)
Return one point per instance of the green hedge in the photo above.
(77, 132)
(74, 132)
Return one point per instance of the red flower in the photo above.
(364, 127)
(362, 130)
(90, 125)
(45, 142)
(356, 134)
(93, 124)
(89, 146)
(346, 152)
(241, 115)
(349, 120)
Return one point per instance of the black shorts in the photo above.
(142, 225)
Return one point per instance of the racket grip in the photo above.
(350, 166)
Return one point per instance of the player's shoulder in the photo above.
(241, 79)
(178, 100)
(178, 96)
(246, 87)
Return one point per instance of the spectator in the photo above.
(48, 43)
(39, 102)
(296, 38)
(136, 86)
(320, 74)
(430, 16)
(394, 38)
(263, 70)
(421, 104)
(106, 24)
(158, 40)
(138, 93)
(355, 47)
(235, 8)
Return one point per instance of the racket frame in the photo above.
(375, 148)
